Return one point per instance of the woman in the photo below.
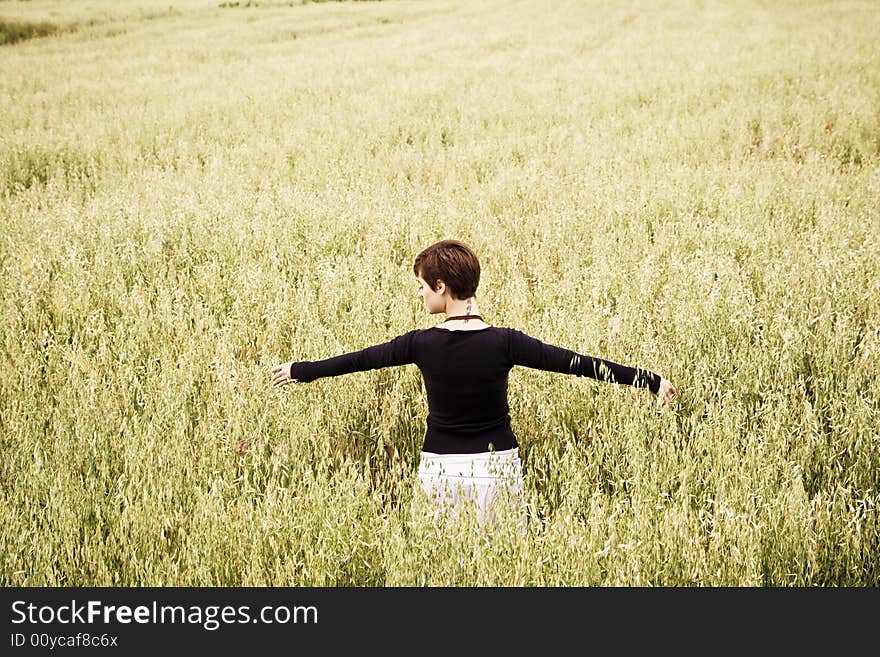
(469, 449)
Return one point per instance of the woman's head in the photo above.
(448, 265)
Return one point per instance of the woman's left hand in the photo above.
(281, 375)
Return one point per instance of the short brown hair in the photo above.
(453, 262)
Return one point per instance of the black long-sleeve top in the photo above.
(465, 374)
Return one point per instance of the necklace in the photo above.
(464, 317)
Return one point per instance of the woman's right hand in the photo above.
(666, 391)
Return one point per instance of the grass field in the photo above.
(192, 192)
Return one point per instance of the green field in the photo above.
(192, 192)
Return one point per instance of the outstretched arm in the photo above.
(398, 351)
(530, 352)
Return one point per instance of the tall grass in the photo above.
(12, 31)
(194, 196)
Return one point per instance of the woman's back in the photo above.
(466, 373)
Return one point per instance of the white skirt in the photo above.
(485, 478)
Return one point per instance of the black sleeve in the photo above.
(399, 351)
(530, 352)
